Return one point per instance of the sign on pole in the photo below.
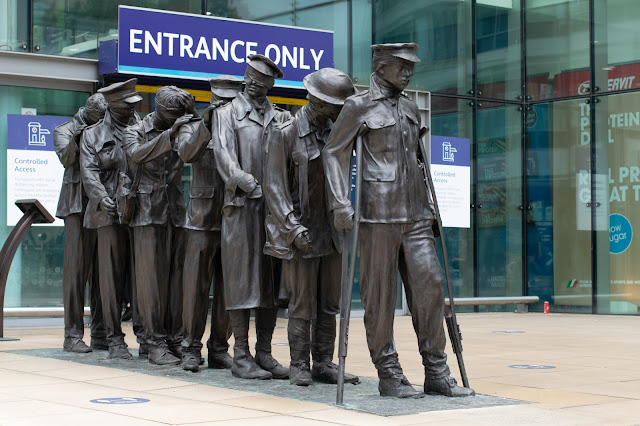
(450, 171)
(33, 168)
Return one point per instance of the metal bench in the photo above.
(521, 302)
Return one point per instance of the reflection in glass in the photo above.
(498, 47)
(617, 47)
(443, 31)
(559, 217)
(76, 27)
(618, 147)
(498, 197)
(557, 47)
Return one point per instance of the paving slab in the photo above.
(363, 397)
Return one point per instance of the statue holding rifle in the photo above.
(397, 220)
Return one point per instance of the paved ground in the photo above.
(595, 379)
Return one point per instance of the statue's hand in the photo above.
(208, 113)
(303, 242)
(179, 122)
(107, 205)
(343, 219)
(247, 183)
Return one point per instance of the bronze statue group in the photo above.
(269, 198)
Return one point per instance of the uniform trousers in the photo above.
(79, 264)
(202, 264)
(113, 251)
(410, 248)
(159, 258)
(313, 286)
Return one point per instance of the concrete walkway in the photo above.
(595, 379)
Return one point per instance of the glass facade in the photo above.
(546, 91)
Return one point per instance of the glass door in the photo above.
(498, 207)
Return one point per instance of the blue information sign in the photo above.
(170, 44)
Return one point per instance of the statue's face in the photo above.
(168, 116)
(397, 74)
(325, 109)
(122, 108)
(92, 116)
(255, 86)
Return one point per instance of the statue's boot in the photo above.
(244, 366)
(299, 333)
(399, 387)
(322, 348)
(265, 324)
(446, 386)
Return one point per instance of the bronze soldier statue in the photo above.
(102, 159)
(203, 225)
(396, 221)
(251, 279)
(300, 231)
(80, 260)
(158, 220)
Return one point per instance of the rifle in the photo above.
(455, 335)
(347, 281)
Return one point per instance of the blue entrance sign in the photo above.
(119, 401)
(178, 45)
(620, 233)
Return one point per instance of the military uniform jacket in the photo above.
(204, 212)
(102, 158)
(240, 134)
(66, 142)
(393, 188)
(159, 196)
(294, 189)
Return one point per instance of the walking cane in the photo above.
(347, 281)
(450, 313)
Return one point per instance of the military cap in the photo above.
(404, 51)
(329, 85)
(225, 86)
(125, 91)
(265, 66)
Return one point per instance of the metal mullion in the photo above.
(474, 151)
(525, 190)
(592, 148)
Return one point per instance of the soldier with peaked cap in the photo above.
(102, 160)
(299, 229)
(396, 221)
(203, 225)
(251, 279)
(79, 262)
(158, 221)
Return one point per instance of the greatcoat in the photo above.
(239, 135)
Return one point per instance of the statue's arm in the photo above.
(139, 151)
(192, 141)
(225, 150)
(337, 155)
(90, 170)
(65, 144)
(277, 191)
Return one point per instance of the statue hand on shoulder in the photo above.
(208, 113)
(107, 205)
(343, 219)
(303, 242)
